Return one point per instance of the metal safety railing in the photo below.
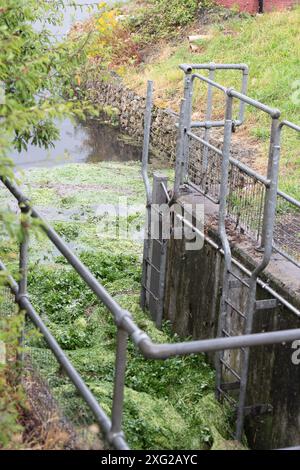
(242, 195)
(201, 164)
(126, 327)
(155, 249)
(287, 223)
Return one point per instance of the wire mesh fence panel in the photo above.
(7, 310)
(287, 229)
(246, 200)
(65, 418)
(204, 169)
(7, 303)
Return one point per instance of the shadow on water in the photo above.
(87, 142)
(105, 142)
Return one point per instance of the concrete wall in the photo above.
(251, 6)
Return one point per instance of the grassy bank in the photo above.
(168, 404)
(268, 43)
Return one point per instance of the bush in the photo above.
(112, 44)
(176, 12)
(162, 17)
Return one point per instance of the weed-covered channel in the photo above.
(168, 404)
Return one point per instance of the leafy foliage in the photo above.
(112, 43)
(162, 18)
(35, 72)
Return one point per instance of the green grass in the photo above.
(168, 404)
(269, 44)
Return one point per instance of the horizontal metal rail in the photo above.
(273, 112)
(188, 68)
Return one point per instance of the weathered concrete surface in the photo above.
(193, 289)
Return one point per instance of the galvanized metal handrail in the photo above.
(209, 82)
(270, 183)
(117, 441)
(112, 429)
(187, 126)
(212, 67)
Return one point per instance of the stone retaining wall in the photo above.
(130, 108)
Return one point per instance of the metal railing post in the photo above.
(179, 164)
(23, 272)
(269, 219)
(187, 118)
(145, 160)
(222, 228)
(119, 385)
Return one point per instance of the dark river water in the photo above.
(91, 141)
(87, 142)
